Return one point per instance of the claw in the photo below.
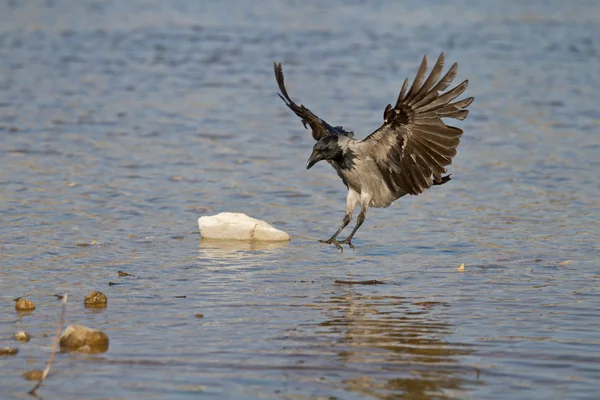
(333, 241)
(349, 243)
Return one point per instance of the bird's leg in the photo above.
(352, 201)
(365, 201)
(359, 221)
(333, 239)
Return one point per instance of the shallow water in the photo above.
(122, 122)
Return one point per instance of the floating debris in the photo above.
(122, 273)
(371, 282)
(199, 315)
(92, 243)
(461, 268)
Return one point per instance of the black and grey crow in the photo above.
(406, 155)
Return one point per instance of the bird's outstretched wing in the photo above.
(413, 145)
(319, 127)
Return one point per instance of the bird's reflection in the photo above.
(392, 347)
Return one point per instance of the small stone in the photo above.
(83, 339)
(8, 351)
(22, 336)
(24, 305)
(95, 300)
(199, 315)
(238, 226)
(33, 375)
(461, 268)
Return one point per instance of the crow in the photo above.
(405, 155)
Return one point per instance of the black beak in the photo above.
(315, 157)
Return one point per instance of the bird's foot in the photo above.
(348, 242)
(334, 241)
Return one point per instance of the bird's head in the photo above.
(327, 148)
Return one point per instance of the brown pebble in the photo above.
(24, 305)
(22, 336)
(199, 315)
(95, 299)
(33, 375)
(8, 351)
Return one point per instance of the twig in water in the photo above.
(371, 282)
(54, 346)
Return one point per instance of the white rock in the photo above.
(238, 226)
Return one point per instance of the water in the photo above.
(123, 122)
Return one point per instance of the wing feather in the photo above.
(414, 146)
(319, 127)
(433, 77)
(414, 88)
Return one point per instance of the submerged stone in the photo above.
(33, 375)
(95, 300)
(24, 305)
(22, 336)
(8, 351)
(238, 226)
(80, 338)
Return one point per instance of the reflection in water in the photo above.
(391, 347)
(235, 249)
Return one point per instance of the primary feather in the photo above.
(413, 146)
(320, 128)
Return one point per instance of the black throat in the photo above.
(346, 159)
